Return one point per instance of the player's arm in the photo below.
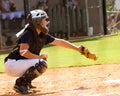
(83, 50)
(64, 43)
(27, 54)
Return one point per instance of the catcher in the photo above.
(24, 60)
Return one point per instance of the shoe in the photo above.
(31, 86)
(22, 89)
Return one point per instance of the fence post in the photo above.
(87, 15)
(26, 8)
(68, 21)
(104, 16)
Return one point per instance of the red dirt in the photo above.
(97, 80)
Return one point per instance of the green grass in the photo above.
(106, 48)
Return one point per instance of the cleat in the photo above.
(31, 86)
(22, 89)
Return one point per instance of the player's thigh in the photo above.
(17, 68)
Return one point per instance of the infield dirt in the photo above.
(96, 80)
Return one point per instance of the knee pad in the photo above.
(40, 67)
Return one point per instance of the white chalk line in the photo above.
(113, 81)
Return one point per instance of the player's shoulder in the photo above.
(28, 32)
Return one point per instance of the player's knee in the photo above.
(41, 66)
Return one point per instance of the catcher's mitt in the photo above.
(84, 51)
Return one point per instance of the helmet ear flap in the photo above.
(33, 21)
(36, 22)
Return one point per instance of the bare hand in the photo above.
(44, 56)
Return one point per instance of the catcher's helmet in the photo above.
(35, 14)
(35, 18)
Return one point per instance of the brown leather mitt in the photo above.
(84, 51)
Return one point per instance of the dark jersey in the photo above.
(35, 41)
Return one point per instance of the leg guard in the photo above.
(40, 67)
(32, 73)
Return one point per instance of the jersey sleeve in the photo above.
(49, 39)
(25, 38)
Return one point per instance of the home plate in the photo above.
(113, 81)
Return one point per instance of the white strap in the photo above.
(21, 31)
(23, 51)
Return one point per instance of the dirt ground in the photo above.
(97, 80)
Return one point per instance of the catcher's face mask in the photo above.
(44, 22)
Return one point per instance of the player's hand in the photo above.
(44, 56)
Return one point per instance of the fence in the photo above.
(58, 21)
(58, 25)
